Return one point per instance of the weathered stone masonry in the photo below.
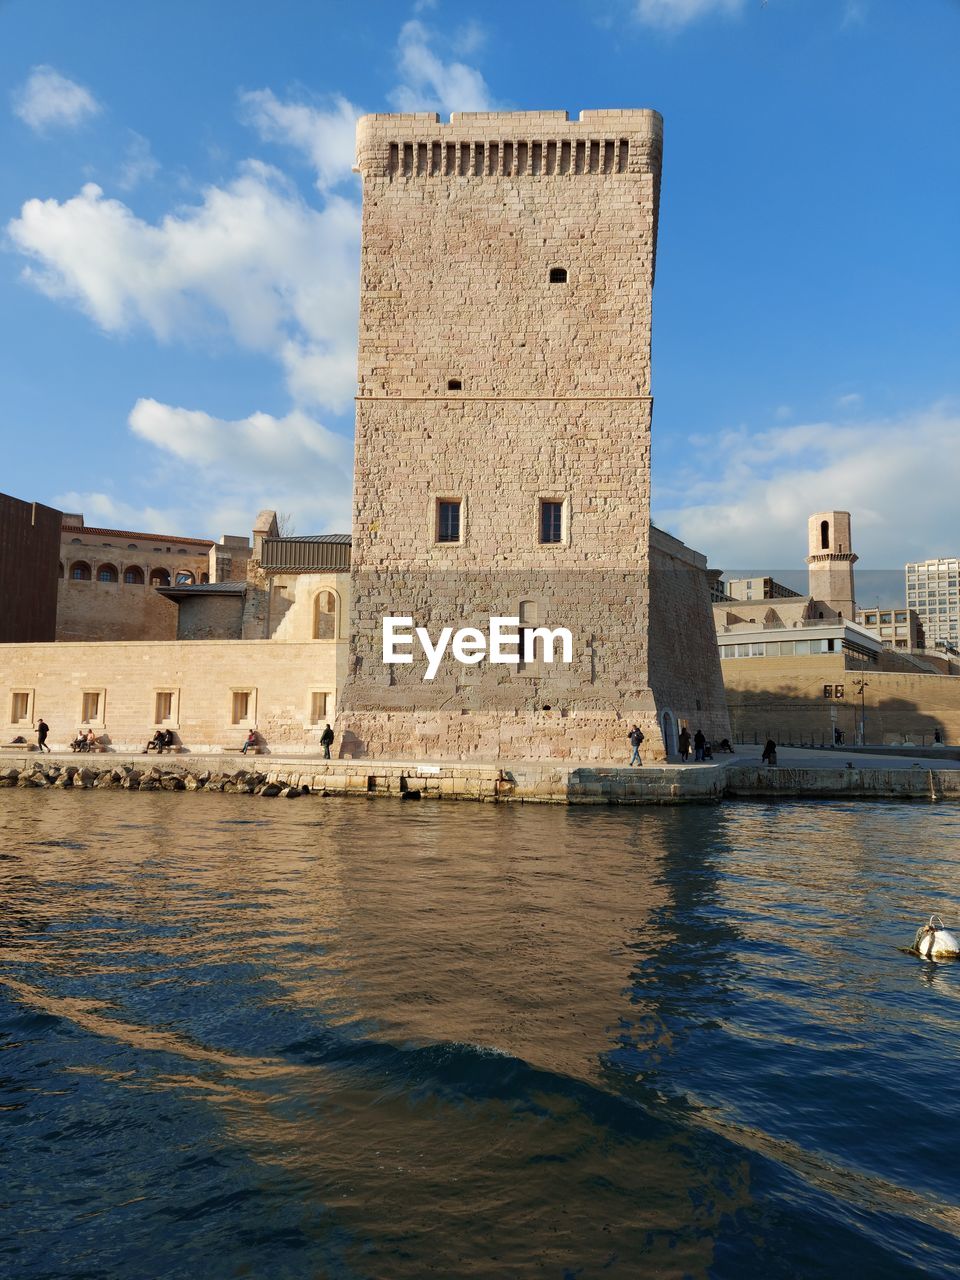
(504, 360)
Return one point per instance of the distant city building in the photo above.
(896, 628)
(758, 589)
(933, 589)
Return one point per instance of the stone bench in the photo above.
(17, 746)
(238, 751)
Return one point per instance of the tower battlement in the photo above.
(510, 144)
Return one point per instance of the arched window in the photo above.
(181, 551)
(185, 578)
(325, 616)
(77, 540)
(131, 546)
(60, 570)
(825, 534)
(107, 573)
(159, 578)
(204, 577)
(80, 571)
(133, 576)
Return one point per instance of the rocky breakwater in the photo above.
(127, 777)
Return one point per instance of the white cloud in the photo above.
(226, 471)
(851, 401)
(677, 13)
(139, 164)
(252, 257)
(325, 138)
(49, 100)
(430, 84)
(103, 509)
(898, 478)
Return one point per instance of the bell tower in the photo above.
(831, 559)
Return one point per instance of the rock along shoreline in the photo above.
(545, 782)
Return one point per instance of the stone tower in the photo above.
(503, 428)
(831, 560)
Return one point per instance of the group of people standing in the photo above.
(702, 749)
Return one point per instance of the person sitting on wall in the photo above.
(251, 741)
(156, 743)
(168, 743)
(769, 752)
(91, 741)
(80, 742)
(725, 745)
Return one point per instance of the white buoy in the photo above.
(934, 942)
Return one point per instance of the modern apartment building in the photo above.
(933, 589)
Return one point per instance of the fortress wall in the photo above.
(201, 674)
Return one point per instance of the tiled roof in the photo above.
(205, 589)
(342, 539)
(127, 533)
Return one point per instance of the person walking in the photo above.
(699, 743)
(635, 737)
(683, 743)
(326, 741)
(42, 730)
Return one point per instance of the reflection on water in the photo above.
(357, 1039)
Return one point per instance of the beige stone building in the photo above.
(503, 441)
(108, 579)
(263, 652)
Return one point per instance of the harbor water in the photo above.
(350, 1038)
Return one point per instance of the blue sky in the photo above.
(180, 225)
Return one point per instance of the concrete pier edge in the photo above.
(544, 782)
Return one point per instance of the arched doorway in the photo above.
(669, 734)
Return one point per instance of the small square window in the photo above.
(558, 275)
(448, 520)
(454, 384)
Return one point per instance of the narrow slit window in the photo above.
(408, 159)
(436, 158)
(394, 163)
(580, 161)
(551, 157)
(594, 157)
(536, 157)
(522, 153)
(20, 708)
(478, 159)
(623, 157)
(608, 156)
(163, 710)
(451, 168)
(508, 158)
(421, 159)
(551, 521)
(494, 154)
(564, 157)
(464, 159)
(448, 520)
(558, 275)
(90, 708)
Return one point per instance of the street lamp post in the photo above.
(861, 684)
